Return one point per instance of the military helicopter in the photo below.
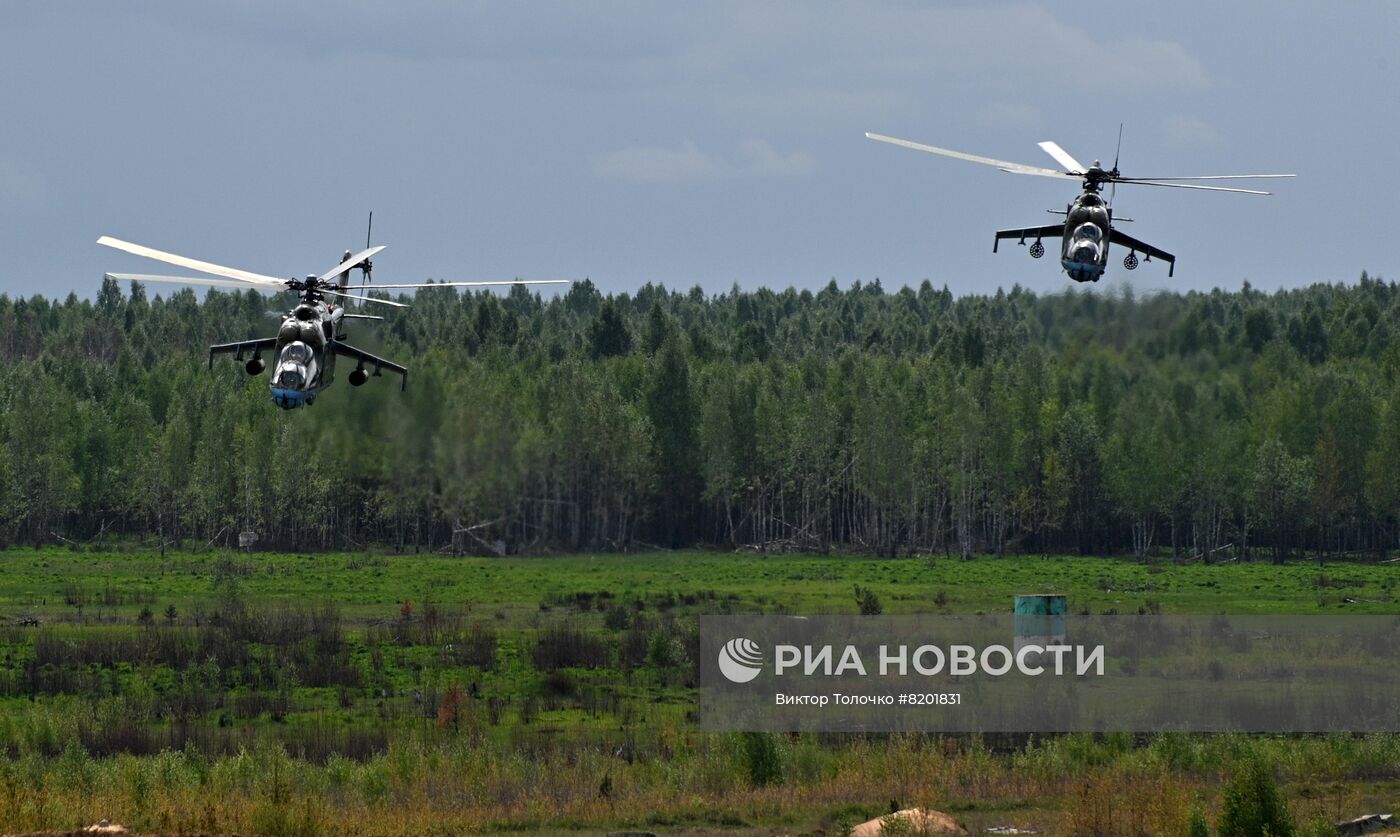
(311, 336)
(1088, 228)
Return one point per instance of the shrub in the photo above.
(617, 618)
(454, 700)
(763, 759)
(1252, 807)
(560, 684)
(561, 646)
(868, 602)
(1198, 826)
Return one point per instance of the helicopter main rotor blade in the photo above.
(1190, 186)
(193, 264)
(363, 298)
(350, 262)
(1209, 177)
(183, 280)
(1063, 157)
(476, 284)
(1014, 168)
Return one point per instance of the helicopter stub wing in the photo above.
(1124, 240)
(237, 349)
(1050, 231)
(366, 359)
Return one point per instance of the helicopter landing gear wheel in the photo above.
(1130, 261)
(1037, 250)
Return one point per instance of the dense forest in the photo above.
(1202, 425)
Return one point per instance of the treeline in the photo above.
(1213, 425)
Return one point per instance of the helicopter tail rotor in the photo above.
(367, 266)
(1113, 189)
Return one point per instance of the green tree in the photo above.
(671, 410)
(609, 335)
(1280, 487)
(1252, 807)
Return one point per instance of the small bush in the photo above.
(450, 710)
(560, 646)
(560, 684)
(617, 618)
(763, 759)
(1198, 826)
(1252, 807)
(868, 602)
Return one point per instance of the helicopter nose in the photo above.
(288, 399)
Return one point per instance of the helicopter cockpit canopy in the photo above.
(1085, 243)
(296, 367)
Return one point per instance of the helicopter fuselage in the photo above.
(304, 365)
(1084, 246)
(306, 346)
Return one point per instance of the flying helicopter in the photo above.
(1088, 228)
(311, 335)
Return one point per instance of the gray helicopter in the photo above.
(1087, 230)
(311, 335)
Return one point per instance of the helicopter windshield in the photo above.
(1088, 231)
(291, 376)
(1084, 248)
(296, 368)
(297, 351)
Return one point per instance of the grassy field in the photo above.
(367, 586)
(314, 694)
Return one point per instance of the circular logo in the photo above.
(740, 660)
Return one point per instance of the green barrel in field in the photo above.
(1040, 619)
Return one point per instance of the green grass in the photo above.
(35, 582)
(527, 729)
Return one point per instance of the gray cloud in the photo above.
(503, 139)
(1190, 132)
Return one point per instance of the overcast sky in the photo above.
(701, 143)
